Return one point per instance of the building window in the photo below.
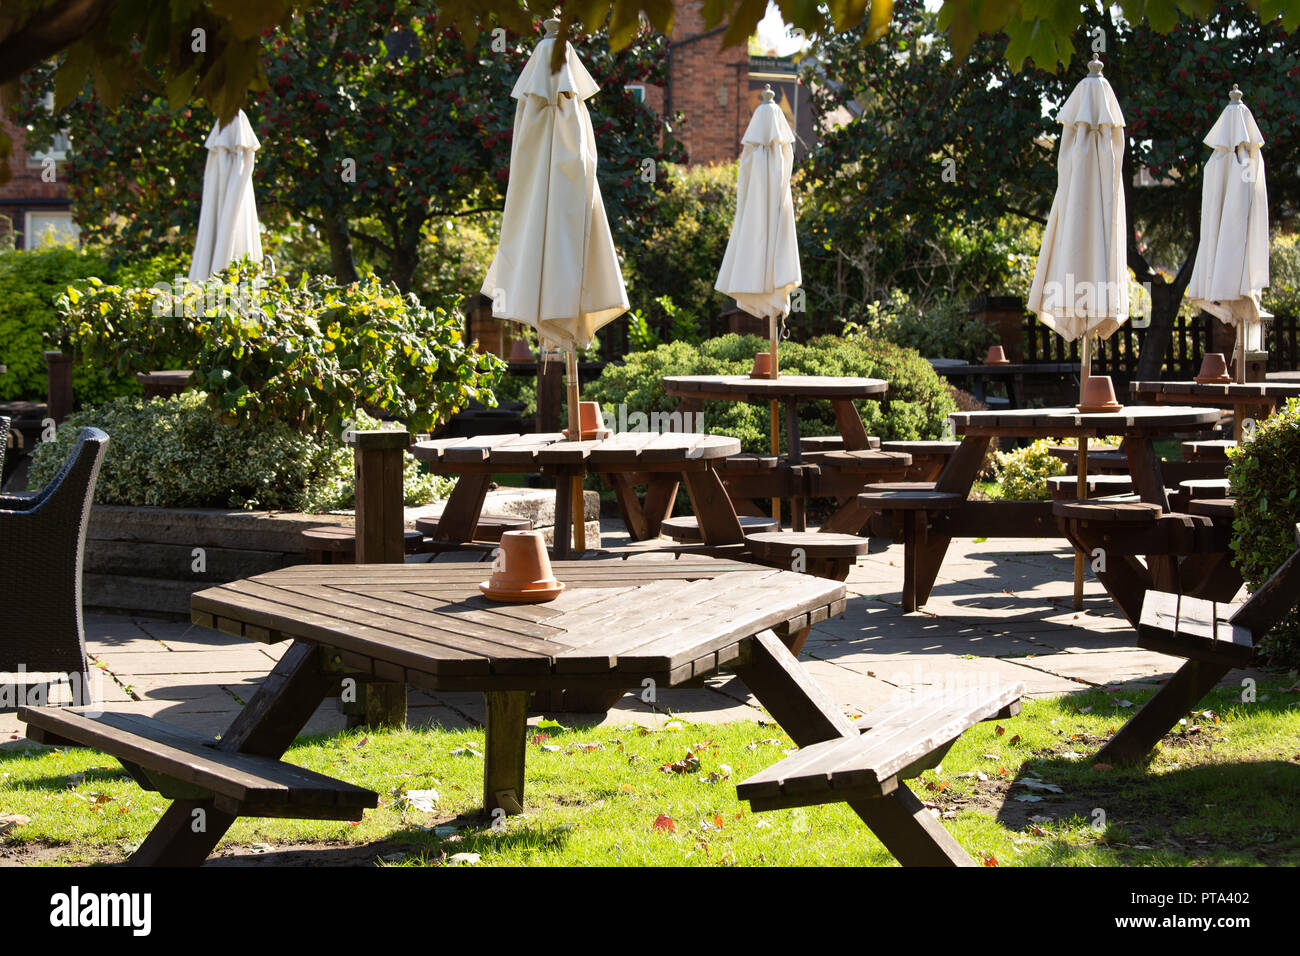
(54, 228)
(58, 150)
(638, 91)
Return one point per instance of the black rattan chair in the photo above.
(42, 543)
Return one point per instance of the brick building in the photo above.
(717, 90)
(34, 203)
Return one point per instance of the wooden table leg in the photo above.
(915, 542)
(629, 507)
(713, 510)
(850, 425)
(503, 757)
(660, 496)
(1175, 698)
(809, 716)
(1123, 577)
(461, 513)
(284, 702)
(563, 545)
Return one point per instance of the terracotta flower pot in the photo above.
(997, 356)
(522, 570)
(762, 366)
(591, 422)
(520, 352)
(1098, 395)
(1214, 369)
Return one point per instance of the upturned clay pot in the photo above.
(520, 352)
(762, 366)
(591, 422)
(522, 570)
(1098, 395)
(1214, 369)
(997, 356)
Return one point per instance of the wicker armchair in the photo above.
(42, 542)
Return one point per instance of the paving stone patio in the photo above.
(1000, 611)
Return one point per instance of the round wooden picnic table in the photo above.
(1246, 399)
(1139, 426)
(626, 459)
(1285, 377)
(788, 480)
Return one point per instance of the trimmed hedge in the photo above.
(918, 406)
(176, 453)
(1265, 476)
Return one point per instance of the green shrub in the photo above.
(1266, 485)
(946, 329)
(30, 282)
(1023, 473)
(919, 404)
(681, 255)
(304, 354)
(175, 453)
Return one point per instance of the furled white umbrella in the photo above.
(228, 216)
(1231, 270)
(1080, 286)
(555, 267)
(761, 265)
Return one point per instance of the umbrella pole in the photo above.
(1241, 352)
(1081, 468)
(776, 415)
(575, 434)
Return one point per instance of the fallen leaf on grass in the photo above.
(547, 724)
(539, 738)
(425, 801)
(627, 788)
(464, 752)
(1029, 798)
(999, 730)
(552, 748)
(12, 821)
(664, 822)
(1102, 767)
(463, 859)
(445, 830)
(688, 764)
(990, 859)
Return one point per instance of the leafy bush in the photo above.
(919, 403)
(682, 252)
(29, 323)
(30, 284)
(175, 453)
(1023, 473)
(305, 354)
(1283, 293)
(946, 329)
(1266, 485)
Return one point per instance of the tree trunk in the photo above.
(1166, 298)
(342, 262)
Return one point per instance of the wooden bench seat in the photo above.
(749, 463)
(1201, 488)
(180, 764)
(1219, 509)
(1066, 487)
(1212, 645)
(1210, 450)
(686, 528)
(337, 544)
(909, 512)
(490, 527)
(1117, 509)
(832, 443)
(826, 555)
(909, 734)
(928, 457)
(864, 462)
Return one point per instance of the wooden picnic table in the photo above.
(1140, 426)
(1284, 377)
(1015, 375)
(647, 620)
(1246, 399)
(786, 476)
(660, 461)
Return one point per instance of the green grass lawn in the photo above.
(1020, 792)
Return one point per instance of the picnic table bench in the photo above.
(1211, 643)
(1246, 399)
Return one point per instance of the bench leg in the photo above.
(1175, 698)
(503, 758)
(660, 496)
(281, 707)
(460, 514)
(628, 506)
(713, 510)
(809, 716)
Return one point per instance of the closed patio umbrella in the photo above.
(228, 216)
(1231, 269)
(761, 265)
(555, 267)
(1080, 286)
